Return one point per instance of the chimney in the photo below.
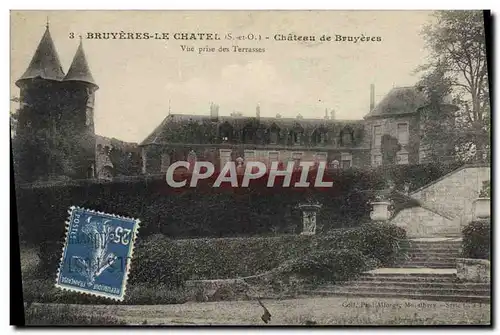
(372, 97)
(332, 115)
(257, 111)
(326, 113)
(214, 112)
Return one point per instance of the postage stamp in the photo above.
(97, 253)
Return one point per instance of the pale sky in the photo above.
(137, 78)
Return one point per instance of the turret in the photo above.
(80, 87)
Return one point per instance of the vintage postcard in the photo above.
(252, 167)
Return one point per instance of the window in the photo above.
(274, 156)
(377, 136)
(274, 135)
(249, 155)
(403, 133)
(321, 156)
(225, 156)
(402, 158)
(297, 157)
(346, 138)
(296, 138)
(346, 160)
(165, 162)
(377, 160)
(322, 138)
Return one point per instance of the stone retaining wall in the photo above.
(473, 270)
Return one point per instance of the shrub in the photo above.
(326, 266)
(161, 260)
(476, 240)
(379, 241)
(44, 291)
(66, 315)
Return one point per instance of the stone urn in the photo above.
(380, 211)
(309, 212)
(482, 208)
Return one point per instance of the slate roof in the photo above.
(45, 63)
(79, 69)
(172, 126)
(400, 100)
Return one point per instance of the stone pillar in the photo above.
(380, 211)
(309, 212)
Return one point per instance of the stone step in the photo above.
(431, 246)
(378, 283)
(426, 260)
(436, 248)
(424, 256)
(433, 297)
(419, 276)
(430, 254)
(411, 290)
(431, 265)
(413, 278)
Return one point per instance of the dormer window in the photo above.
(226, 132)
(296, 138)
(319, 136)
(274, 132)
(346, 137)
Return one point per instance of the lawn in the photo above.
(321, 311)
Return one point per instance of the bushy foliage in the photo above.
(44, 291)
(326, 266)
(158, 259)
(47, 315)
(476, 240)
(379, 241)
(162, 260)
(208, 212)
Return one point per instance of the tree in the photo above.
(439, 137)
(456, 40)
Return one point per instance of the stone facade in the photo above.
(455, 193)
(342, 143)
(473, 270)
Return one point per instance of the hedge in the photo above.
(161, 266)
(330, 266)
(211, 212)
(162, 260)
(476, 240)
(44, 291)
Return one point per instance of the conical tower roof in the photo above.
(45, 63)
(79, 69)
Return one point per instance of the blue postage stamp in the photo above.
(97, 253)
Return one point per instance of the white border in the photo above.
(128, 262)
(189, 4)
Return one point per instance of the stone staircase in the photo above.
(434, 255)
(426, 272)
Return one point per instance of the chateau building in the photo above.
(56, 116)
(341, 143)
(56, 125)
